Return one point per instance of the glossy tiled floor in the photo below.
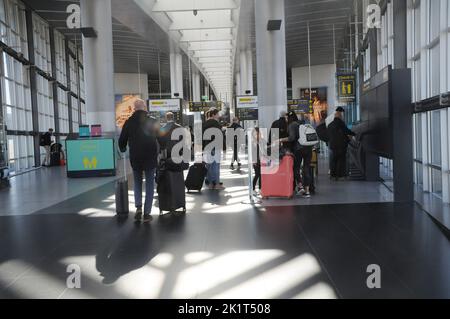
(224, 249)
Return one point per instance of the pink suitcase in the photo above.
(278, 181)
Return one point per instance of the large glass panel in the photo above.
(436, 179)
(435, 22)
(417, 45)
(436, 158)
(435, 70)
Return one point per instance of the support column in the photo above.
(206, 90)
(243, 72)
(270, 61)
(54, 84)
(196, 94)
(179, 74)
(98, 64)
(33, 89)
(238, 84)
(68, 81)
(173, 67)
(445, 114)
(400, 34)
(176, 71)
(250, 71)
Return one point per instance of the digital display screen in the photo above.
(90, 155)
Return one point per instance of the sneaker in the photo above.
(232, 167)
(211, 186)
(306, 195)
(138, 214)
(147, 218)
(239, 165)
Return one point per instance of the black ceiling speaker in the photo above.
(248, 92)
(274, 25)
(176, 94)
(88, 32)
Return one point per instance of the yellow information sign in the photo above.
(346, 87)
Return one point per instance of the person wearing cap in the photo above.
(339, 137)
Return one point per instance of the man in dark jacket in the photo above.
(235, 126)
(45, 141)
(339, 137)
(140, 134)
(213, 158)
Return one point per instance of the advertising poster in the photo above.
(124, 107)
(319, 102)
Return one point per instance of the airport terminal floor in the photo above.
(222, 247)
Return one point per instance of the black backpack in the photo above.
(42, 139)
(322, 132)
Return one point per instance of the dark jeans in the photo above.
(339, 163)
(303, 156)
(235, 154)
(149, 188)
(257, 177)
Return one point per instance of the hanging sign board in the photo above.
(158, 108)
(204, 106)
(346, 87)
(247, 108)
(299, 106)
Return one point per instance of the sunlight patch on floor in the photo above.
(275, 281)
(226, 209)
(207, 275)
(318, 291)
(197, 257)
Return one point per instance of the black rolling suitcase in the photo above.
(196, 177)
(122, 208)
(55, 159)
(171, 195)
(55, 154)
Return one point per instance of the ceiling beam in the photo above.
(191, 5)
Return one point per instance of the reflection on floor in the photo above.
(42, 188)
(434, 206)
(223, 249)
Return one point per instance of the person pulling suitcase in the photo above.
(140, 134)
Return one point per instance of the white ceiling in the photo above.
(206, 30)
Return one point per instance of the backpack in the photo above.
(41, 139)
(322, 132)
(308, 135)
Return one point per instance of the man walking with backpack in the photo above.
(45, 140)
(140, 133)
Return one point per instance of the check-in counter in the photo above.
(90, 157)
